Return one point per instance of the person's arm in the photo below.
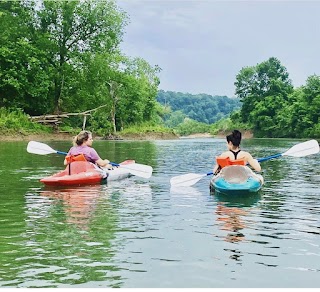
(97, 159)
(254, 163)
(102, 162)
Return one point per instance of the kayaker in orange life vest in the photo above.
(234, 153)
(83, 145)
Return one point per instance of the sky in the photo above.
(202, 45)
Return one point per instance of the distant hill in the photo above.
(200, 107)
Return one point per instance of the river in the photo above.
(141, 233)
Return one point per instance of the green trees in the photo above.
(302, 113)
(203, 108)
(264, 91)
(64, 56)
(23, 82)
(69, 31)
(312, 98)
(272, 107)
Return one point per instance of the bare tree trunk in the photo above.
(58, 95)
(113, 90)
(84, 122)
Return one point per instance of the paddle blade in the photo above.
(303, 149)
(186, 180)
(39, 148)
(137, 169)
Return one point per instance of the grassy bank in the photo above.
(147, 132)
(15, 126)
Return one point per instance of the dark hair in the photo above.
(235, 138)
(81, 138)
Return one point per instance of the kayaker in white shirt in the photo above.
(234, 152)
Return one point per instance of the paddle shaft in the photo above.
(269, 157)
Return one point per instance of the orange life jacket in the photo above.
(72, 158)
(225, 161)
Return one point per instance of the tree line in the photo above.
(203, 108)
(272, 107)
(64, 56)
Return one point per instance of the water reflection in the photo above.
(72, 236)
(232, 220)
(141, 233)
(78, 204)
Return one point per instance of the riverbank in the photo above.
(138, 136)
(69, 136)
(199, 135)
(245, 135)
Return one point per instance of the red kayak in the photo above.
(84, 173)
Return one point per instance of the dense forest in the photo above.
(61, 57)
(203, 108)
(64, 56)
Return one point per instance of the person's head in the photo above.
(84, 137)
(234, 138)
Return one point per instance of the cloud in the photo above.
(202, 45)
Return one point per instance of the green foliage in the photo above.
(257, 86)
(190, 126)
(69, 31)
(23, 80)
(272, 107)
(64, 56)
(69, 129)
(100, 124)
(229, 124)
(14, 121)
(176, 118)
(301, 116)
(145, 128)
(203, 108)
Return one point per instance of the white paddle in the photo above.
(299, 150)
(136, 169)
(42, 149)
(187, 180)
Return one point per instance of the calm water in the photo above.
(141, 233)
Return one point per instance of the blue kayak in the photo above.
(236, 179)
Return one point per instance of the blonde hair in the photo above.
(82, 137)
